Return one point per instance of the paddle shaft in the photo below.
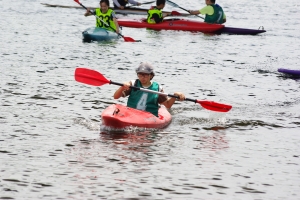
(95, 78)
(152, 91)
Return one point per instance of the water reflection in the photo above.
(133, 138)
(213, 142)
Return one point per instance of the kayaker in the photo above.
(122, 3)
(144, 100)
(107, 16)
(155, 14)
(213, 12)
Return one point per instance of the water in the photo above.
(50, 141)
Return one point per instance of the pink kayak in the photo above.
(118, 116)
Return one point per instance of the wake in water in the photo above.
(89, 124)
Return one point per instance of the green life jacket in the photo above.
(152, 11)
(107, 18)
(217, 17)
(144, 100)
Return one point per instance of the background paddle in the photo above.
(149, 2)
(126, 39)
(92, 77)
(176, 5)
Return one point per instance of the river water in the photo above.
(51, 145)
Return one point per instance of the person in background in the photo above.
(144, 100)
(107, 16)
(213, 12)
(122, 3)
(155, 14)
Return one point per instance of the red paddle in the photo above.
(92, 77)
(126, 39)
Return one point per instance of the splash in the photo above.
(217, 117)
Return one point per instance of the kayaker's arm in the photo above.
(119, 93)
(116, 3)
(169, 103)
(194, 12)
(157, 19)
(88, 12)
(117, 25)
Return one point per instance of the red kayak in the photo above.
(172, 24)
(118, 116)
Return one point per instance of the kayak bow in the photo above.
(117, 116)
(98, 34)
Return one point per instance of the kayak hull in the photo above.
(172, 24)
(290, 72)
(119, 116)
(98, 34)
(239, 31)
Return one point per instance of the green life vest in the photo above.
(152, 11)
(217, 17)
(107, 18)
(144, 100)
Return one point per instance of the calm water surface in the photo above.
(51, 145)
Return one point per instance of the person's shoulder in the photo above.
(133, 81)
(151, 8)
(156, 83)
(111, 10)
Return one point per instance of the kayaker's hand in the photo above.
(139, 4)
(180, 95)
(126, 86)
(87, 12)
(122, 7)
(196, 12)
(191, 12)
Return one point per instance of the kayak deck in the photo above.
(118, 116)
(98, 34)
(172, 24)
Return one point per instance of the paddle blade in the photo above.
(90, 77)
(214, 106)
(175, 13)
(128, 39)
(77, 1)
